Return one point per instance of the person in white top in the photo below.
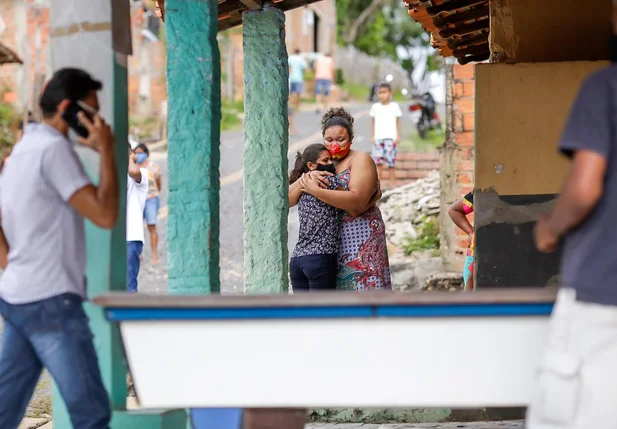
(136, 195)
(386, 131)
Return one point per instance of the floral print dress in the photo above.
(363, 252)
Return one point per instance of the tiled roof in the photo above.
(458, 28)
(230, 11)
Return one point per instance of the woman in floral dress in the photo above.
(363, 254)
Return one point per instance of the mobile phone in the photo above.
(70, 117)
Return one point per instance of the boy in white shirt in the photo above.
(136, 195)
(386, 131)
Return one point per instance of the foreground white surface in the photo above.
(364, 362)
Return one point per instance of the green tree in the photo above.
(382, 28)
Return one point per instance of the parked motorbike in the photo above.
(428, 118)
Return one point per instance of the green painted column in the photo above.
(194, 106)
(103, 53)
(266, 141)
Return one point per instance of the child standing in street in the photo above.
(458, 213)
(386, 131)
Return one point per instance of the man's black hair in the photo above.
(68, 83)
(142, 147)
(385, 85)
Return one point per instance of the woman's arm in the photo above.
(295, 192)
(361, 187)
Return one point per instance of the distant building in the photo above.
(25, 28)
(310, 29)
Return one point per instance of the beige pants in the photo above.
(577, 378)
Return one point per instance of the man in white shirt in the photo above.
(45, 195)
(136, 195)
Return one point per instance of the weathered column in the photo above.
(519, 171)
(103, 53)
(266, 143)
(194, 106)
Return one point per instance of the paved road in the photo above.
(153, 279)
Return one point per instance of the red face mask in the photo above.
(339, 152)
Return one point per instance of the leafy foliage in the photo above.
(428, 237)
(387, 31)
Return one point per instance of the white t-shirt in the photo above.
(136, 194)
(385, 117)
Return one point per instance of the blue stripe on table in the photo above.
(351, 312)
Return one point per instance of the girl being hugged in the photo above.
(314, 263)
(363, 254)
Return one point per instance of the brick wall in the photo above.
(147, 64)
(464, 126)
(411, 166)
(27, 33)
(457, 159)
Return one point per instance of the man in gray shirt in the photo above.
(578, 376)
(45, 195)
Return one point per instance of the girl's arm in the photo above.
(398, 130)
(458, 216)
(361, 187)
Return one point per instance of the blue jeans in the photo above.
(313, 273)
(133, 252)
(52, 333)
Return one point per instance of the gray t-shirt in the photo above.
(589, 262)
(47, 249)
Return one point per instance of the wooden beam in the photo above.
(252, 4)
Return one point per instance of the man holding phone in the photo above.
(45, 194)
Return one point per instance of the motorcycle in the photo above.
(428, 117)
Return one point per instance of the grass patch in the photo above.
(413, 142)
(428, 237)
(356, 91)
(231, 111)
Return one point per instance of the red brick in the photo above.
(463, 72)
(417, 174)
(469, 89)
(465, 166)
(459, 90)
(464, 178)
(469, 122)
(464, 190)
(465, 139)
(401, 174)
(465, 105)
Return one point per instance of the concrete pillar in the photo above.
(103, 53)
(266, 90)
(519, 119)
(194, 115)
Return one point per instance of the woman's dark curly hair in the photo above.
(337, 117)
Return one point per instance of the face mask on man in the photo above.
(330, 168)
(141, 158)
